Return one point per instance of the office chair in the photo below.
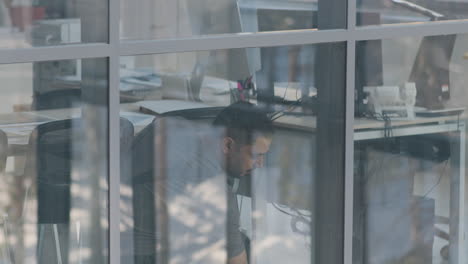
(143, 197)
(54, 147)
(49, 162)
(66, 98)
(165, 166)
(3, 150)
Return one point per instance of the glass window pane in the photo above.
(410, 157)
(53, 162)
(225, 155)
(34, 23)
(371, 12)
(166, 19)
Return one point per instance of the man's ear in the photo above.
(228, 145)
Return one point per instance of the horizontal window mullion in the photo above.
(79, 51)
(243, 40)
(409, 30)
(297, 37)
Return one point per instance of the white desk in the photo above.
(367, 129)
(19, 125)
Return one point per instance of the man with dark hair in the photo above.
(247, 138)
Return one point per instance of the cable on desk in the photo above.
(286, 90)
(281, 210)
(297, 98)
(438, 180)
(277, 114)
(388, 132)
(297, 218)
(388, 129)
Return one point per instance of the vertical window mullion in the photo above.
(114, 133)
(349, 131)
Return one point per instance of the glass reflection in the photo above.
(409, 11)
(223, 163)
(37, 23)
(54, 162)
(410, 150)
(193, 18)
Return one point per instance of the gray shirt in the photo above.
(235, 245)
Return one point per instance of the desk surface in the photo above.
(18, 129)
(19, 125)
(309, 123)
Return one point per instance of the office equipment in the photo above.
(141, 84)
(55, 31)
(423, 112)
(285, 16)
(369, 64)
(182, 86)
(175, 86)
(137, 86)
(56, 75)
(391, 101)
(431, 68)
(48, 74)
(196, 81)
(221, 18)
(431, 71)
(248, 16)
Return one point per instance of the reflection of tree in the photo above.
(197, 215)
(190, 194)
(18, 211)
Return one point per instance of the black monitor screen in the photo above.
(431, 71)
(369, 63)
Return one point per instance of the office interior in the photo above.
(409, 142)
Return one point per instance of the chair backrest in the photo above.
(168, 155)
(52, 148)
(55, 147)
(143, 200)
(3, 150)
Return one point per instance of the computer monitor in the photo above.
(431, 71)
(431, 68)
(228, 16)
(278, 68)
(369, 63)
(369, 54)
(210, 17)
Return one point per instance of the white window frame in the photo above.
(116, 48)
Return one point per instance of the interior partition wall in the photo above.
(339, 36)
